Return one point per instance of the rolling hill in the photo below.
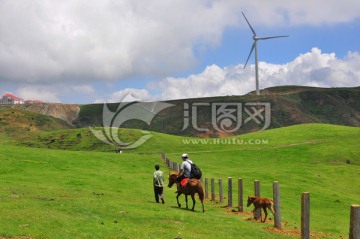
(290, 105)
(20, 124)
(71, 180)
(65, 112)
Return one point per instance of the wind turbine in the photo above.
(256, 38)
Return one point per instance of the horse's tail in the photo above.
(201, 195)
(272, 209)
(200, 190)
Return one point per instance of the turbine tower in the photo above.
(256, 38)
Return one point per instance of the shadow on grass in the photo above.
(185, 209)
(151, 201)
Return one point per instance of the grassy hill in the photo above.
(50, 193)
(290, 105)
(19, 124)
(69, 184)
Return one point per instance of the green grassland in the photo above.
(48, 192)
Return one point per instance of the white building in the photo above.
(10, 99)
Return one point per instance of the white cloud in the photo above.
(53, 41)
(306, 12)
(87, 89)
(310, 69)
(44, 93)
(45, 41)
(53, 93)
(127, 95)
(313, 68)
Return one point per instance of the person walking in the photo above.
(158, 181)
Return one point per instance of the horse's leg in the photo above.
(186, 200)
(253, 211)
(177, 199)
(193, 199)
(259, 208)
(264, 208)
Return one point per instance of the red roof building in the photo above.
(33, 101)
(9, 99)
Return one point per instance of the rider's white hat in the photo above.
(184, 156)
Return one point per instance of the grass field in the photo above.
(49, 193)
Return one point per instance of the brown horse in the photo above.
(192, 186)
(261, 203)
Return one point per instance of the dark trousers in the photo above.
(178, 179)
(158, 191)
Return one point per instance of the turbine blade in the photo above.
(252, 29)
(252, 48)
(265, 38)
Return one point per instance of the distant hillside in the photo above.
(22, 124)
(37, 130)
(290, 105)
(65, 112)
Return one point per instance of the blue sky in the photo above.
(99, 51)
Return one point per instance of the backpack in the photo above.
(195, 171)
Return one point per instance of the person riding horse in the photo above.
(185, 168)
(189, 187)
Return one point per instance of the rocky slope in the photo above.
(66, 112)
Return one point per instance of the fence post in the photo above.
(257, 213)
(354, 222)
(229, 191)
(206, 188)
(221, 194)
(240, 195)
(305, 215)
(212, 189)
(276, 196)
